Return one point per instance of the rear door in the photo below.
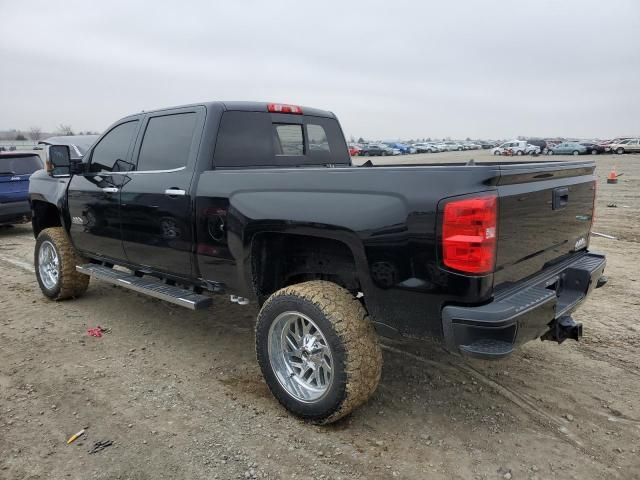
(94, 196)
(15, 171)
(156, 204)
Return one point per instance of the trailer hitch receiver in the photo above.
(563, 328)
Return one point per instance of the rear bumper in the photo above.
(524, 312)
(15, 212)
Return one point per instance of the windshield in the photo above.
(21, 165)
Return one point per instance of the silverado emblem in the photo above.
(580, 243)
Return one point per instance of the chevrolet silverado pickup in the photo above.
(261, 201)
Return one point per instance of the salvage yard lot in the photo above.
(181, 396)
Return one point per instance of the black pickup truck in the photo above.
(261, 201)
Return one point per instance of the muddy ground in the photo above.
(181, 397)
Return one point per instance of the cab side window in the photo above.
(167, 142)
(113, 148)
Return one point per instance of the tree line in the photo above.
(35, 133)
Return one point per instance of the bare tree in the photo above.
(35, 133)
(65, 129)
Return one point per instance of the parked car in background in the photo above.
(452, 146)
(402, 147)
(488, 145)
(514, 147)
(426, 148)
(607, 143)
(78, 144)
(593, 148)
(376, 150)
(541, 144)
(354, 150)
(15, 170)
(567, 148)
(631, 145)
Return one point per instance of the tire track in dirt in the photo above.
(17, 263)
(541, 417)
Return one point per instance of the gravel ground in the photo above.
(180, 395)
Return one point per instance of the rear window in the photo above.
(254, 139)
(22, 165)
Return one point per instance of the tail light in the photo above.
(469, 234)
(281, 108)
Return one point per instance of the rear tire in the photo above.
(55, 262)
(575, 152)
(519, 152)
(320, 329)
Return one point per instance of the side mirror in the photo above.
(58, 160)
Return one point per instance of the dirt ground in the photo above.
(180, 394)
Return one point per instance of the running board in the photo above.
(168, 293)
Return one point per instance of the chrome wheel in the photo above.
(300, 356)
(48, 265)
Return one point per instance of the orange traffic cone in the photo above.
(613, 177)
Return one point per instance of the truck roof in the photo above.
(246, 106)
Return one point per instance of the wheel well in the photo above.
(279, 260)
(45, 215)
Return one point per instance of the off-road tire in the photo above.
(71, 284)
(357, 357)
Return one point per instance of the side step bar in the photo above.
(176, 295)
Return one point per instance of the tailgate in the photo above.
(13, 188)
(545, 215)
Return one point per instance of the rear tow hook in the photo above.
(602, 281)
(563, 328)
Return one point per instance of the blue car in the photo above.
(403, 147)
(15, 170)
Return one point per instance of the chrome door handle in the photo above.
(175, 192)
(110, 189)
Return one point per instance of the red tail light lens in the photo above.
(469, 234)
(281, 108)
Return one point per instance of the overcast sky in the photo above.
(391, 69)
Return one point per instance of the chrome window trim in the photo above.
(146, 171)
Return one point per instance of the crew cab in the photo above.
(261, 201)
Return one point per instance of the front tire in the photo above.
(55, 262)
(318, 350)
(620, 151)
(576, 153)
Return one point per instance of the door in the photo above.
(156, 208)
(94, 196)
